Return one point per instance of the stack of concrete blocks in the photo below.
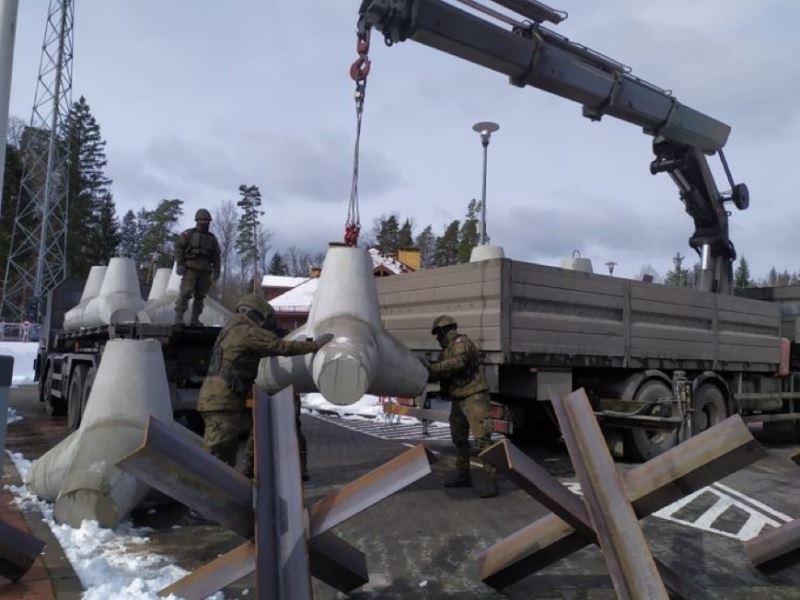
(116, 299)
(78, 474)
(363, 357)
(160, 307)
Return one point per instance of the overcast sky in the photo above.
(196, 97)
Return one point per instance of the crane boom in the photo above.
(533, 55)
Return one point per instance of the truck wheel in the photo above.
(88, 382)
(53, 407)
(709, 408)
(643, 444)
(75, 397)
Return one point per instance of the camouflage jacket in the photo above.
(234, 362)
(198, 250)
(459, 368)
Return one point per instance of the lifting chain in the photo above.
(358, 73)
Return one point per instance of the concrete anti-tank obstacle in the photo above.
(160, 281)
(363, 357)
(90, 290)
(161, 309)
(131, 385)
(118, 300)
(486, 252)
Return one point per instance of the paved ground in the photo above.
(422, 542)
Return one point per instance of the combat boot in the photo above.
(178, 318)
(197, 308)
(460, 479)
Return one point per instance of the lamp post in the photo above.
(611, 264)
(485, 129)
(8, 23)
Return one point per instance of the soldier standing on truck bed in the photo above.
(459, 372)
(231, 373)
(197, 258)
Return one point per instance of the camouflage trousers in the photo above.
(194, 283)
(221, 438)
(471, 414)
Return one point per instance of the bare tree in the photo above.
(264, 246)
(293, 259)
(224, 226)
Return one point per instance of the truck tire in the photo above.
(709, 408)
(642, 444)
(88, 382)
(53, 407)
(75, 397)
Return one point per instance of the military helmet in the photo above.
(443, 321)
(202, 215)
(256, 303)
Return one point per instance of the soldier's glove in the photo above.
(322, 339)
(180, 270)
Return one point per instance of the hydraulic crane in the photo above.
(531, 54)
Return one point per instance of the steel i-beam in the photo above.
(548, 491)
(694, 464)
(625, 549)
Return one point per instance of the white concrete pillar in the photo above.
(8, 26)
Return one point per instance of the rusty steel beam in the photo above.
(173, 464)
(625, 549)
(550, 493)
(18, 551)
(282, 553)
(696, 463)
(403, 470)
(776, 549)
(212, 577)
(337, 563)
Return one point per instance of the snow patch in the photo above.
(24, 354)
(112, 564)
(13, 416)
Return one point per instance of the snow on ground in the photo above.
(112, 564)
(24, 354)
(13, 416)
(369, 407)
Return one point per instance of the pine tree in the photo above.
(446, 249)
(741, 279)
(88, 193)
(468, 235)
(278, 266)
(247, 244)
(405, 237)
(129, 240)
(784, 278)
(10, 193)
(678, 276)
(387, 233)
(157, 230)
(426, 242)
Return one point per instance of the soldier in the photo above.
(234, 362)
(458, 371)
(198, 263)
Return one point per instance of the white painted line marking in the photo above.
(767, 509)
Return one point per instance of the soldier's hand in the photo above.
(180, 270)
(425, 362)
(322, 339)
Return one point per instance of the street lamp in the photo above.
(611, 264)
(485, 129)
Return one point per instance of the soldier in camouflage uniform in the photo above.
(459, 373)
(197, 260)
(232, 371)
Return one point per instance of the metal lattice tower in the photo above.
(37, 260)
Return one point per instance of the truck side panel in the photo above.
(538, 315)
(470, 293)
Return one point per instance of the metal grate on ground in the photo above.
(386, 430)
